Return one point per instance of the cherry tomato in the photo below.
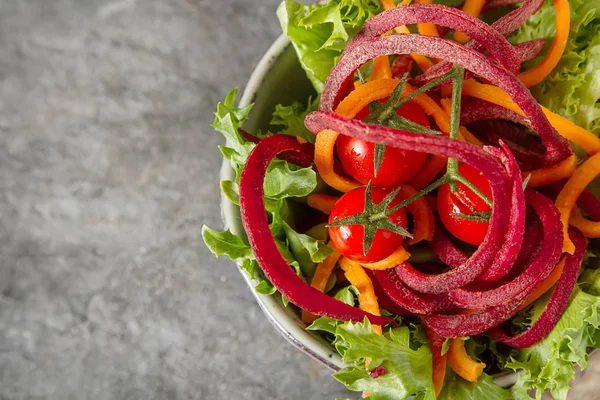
(464, 201)
(348, 239)
(398, 166)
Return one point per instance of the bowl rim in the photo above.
(292, 329)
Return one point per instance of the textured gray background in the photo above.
(108, 169)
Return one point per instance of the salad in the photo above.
(433, 211)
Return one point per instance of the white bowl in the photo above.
(278, 78)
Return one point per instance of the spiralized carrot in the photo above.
(391, 261)
(462, 363)
(436, 343)
(590, 229)
(473, 8)
(381, 68)
(585, 139)
(422, 213)
(324, 148)
(427, 28)
(563, 24)
(545, 285)
(431, 169)
(572, 190)
(321, 202)
(366, 293)
(320, 278)
(553, 173)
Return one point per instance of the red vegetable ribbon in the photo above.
(557, 303)
(260, 237)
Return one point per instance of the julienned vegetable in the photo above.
(454, 159)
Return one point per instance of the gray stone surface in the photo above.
(108, 169)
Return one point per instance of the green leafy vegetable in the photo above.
(548, 365)
(457, 388)
(408, 371)
(573, 88)
(226, 243)
(319, 32)
(291, 118)
(285, 180)
(282, 181)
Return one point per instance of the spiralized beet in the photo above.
(462, 325)
(516, 226)
(447, 252)
(447, 147)
(260, 237)
(535, 271)
(406, 298)
(441, 15)
(384, 299)
(557, 148)
(529, 50)
(556, 305)
(505, 26)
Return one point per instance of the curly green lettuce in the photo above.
(320, 32)
(573, 87)
(283, 182)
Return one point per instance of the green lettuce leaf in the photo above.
(549, 364)
(291, 118)
(573, 87)
(283, 181)
(319, 32)
(233, 246)
(456, 388)
(406, 361)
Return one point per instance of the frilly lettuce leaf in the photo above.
(457, 388)
(549, 364)
(283, 181)
(291, 118)
(407, 362)
(319, 32)
(573, 87)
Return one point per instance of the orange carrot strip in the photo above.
(462, 363)
(473, 8)
(570, 193)
(433, 166)
(427, 28)
(590, 229)
(563, 24)
(324, 148)
(436, 343)
(545, 285)
(322, 202)
(585, 139)
(553, 173)
(391, 261)
(381, 68)
(388, 4)
(422, 213)
(366, 294)
(320, 278)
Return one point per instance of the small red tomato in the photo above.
(398, 166)
(464, 201)
(349, 239)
